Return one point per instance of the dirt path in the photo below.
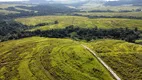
(102, 62)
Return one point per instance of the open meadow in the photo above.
(83, 22)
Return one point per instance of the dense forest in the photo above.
(88, 34)
(13, 30)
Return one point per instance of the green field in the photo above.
(6, 12)
(112, 14)
(123, 57)
(62, 59)
(83, 22)
(44, 58)
(38, 58)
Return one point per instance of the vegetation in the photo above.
(126, 14)
(83, 22)
(8, 9)
(71, 32)
(11, 30)
(123, 57)
(90, 34)
(33, 10)
(53, 58)
(99, 6)
(48, 59)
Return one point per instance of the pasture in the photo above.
(83, 22)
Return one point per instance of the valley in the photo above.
(71, 40)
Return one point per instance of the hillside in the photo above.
(61, 59)
(84, 22)
(125, 58)
(71, 40)
(7, 9)
(48, 59)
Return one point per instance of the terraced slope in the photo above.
(123, 57)
(83, 22)
(39, 58)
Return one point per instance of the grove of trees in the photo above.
(13, 30)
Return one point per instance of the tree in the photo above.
(73, 35)
(56, 22)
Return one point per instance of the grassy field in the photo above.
(83, 22)
(6, 12)
(39, 58)
(123, 57)
(112, 14)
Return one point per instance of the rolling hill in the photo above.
(123, 57)
(61, 59)
(84, 22)
(48, 59)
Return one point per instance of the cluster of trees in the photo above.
(11, 29)
(91, 16)
(133, 10)
(102, 11)
(14, 30)
(92, 34)
(44, 24)
(128, 17)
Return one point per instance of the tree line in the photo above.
(89, 34)
(77, 33)
(9, 29)
(91, 16)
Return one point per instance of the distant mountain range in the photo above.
(123, 2)
(81, 2)
(64, 1)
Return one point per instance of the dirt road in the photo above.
(102, 62)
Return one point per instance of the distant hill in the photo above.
(124, 2)
(37, 1)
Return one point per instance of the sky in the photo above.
(9, 0)
(56, 0)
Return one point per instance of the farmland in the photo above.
(125, 58)
(48, 59)
(84, 22)
(48, 41)
(61, 59)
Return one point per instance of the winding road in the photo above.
(102, 62)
